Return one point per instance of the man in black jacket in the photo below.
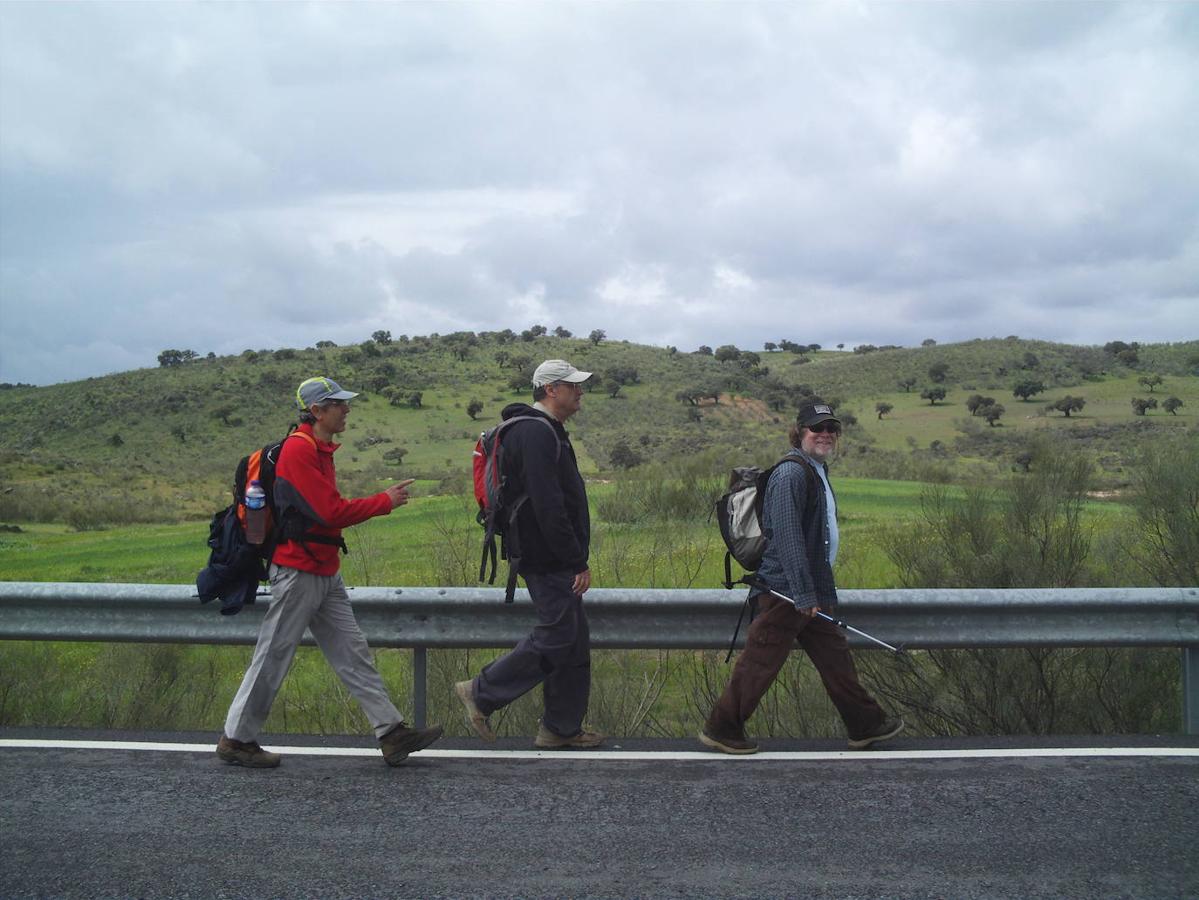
(555, 531)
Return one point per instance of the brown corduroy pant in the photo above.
(768, 642)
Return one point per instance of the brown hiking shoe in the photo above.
(884, 732)
(727, 743)
(402, 740)
(584, 740)
(246, 753)
(474, 718)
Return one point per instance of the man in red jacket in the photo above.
(307, 591)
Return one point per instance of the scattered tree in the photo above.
(1067, 405)
(882, 409)
(938, 371)
(1171, 404)
(474, 408)
(623, 456)
(1140, 405)
(168, 358)
(325, 345)
(932, 395)
(1030, 360)
(770, 346)
(395, 455)
(1027, 389)
(381, 337)
(617, 377)
(415, 399)
(561, 332)
(704, 350)
(223, 413)
(992, 413)
(907, 384)
(1128, 358)
(596, 336)
(1150, 381)
(727, 353)
(928, 342)
(116, 440)
(976, 402)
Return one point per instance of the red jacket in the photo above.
(305, 479)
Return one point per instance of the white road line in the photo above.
(879, 755)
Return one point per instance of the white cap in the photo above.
(557, 370)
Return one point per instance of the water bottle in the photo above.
(256, 513)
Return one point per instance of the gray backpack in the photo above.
(739, 514)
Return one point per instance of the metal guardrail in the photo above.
(623, 618)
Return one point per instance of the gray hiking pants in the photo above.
(557, 655)
(301, 600)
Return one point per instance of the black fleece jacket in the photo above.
(554, 524)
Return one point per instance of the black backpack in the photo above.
(497, 508)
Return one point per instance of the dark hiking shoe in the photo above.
(246, 753)
(402, 740)
(884, 732)
(726, 743)
(584, 740)
(474, 718)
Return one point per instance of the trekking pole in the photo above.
(828, 618)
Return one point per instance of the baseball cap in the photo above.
(814, 413)
(318, 390)
(557, 370)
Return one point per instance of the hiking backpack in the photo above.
(285, 525)
(739, 515)
(497, 509)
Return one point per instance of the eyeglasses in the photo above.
(345, 404)
(824, 428)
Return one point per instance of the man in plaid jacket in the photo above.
(799, 521)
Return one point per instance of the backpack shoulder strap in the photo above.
(543, 421)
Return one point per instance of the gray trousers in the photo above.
(301, 600)
(557, 655)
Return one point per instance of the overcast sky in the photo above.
(227, 176)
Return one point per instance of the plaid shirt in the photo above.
(795, 523)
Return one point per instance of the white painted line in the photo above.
(879, 755)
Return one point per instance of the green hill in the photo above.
(161, 444)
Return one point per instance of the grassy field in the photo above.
(435, 541)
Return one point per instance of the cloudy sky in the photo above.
(227, 176)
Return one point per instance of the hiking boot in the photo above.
(402, 740)
(884, 732)
(583, 740)
(474, 718)
(246, 753)
(727, 743)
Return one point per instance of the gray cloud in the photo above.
(679, 174)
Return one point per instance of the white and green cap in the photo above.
(318, 390)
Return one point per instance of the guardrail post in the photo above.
(419, 678)
(1190, 690)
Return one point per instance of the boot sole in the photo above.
(567, 746)
(725, 748)
(863, 743)
(233, 760)
(399, 756)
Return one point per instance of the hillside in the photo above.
(160, 444)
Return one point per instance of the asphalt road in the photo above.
(120, 823)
